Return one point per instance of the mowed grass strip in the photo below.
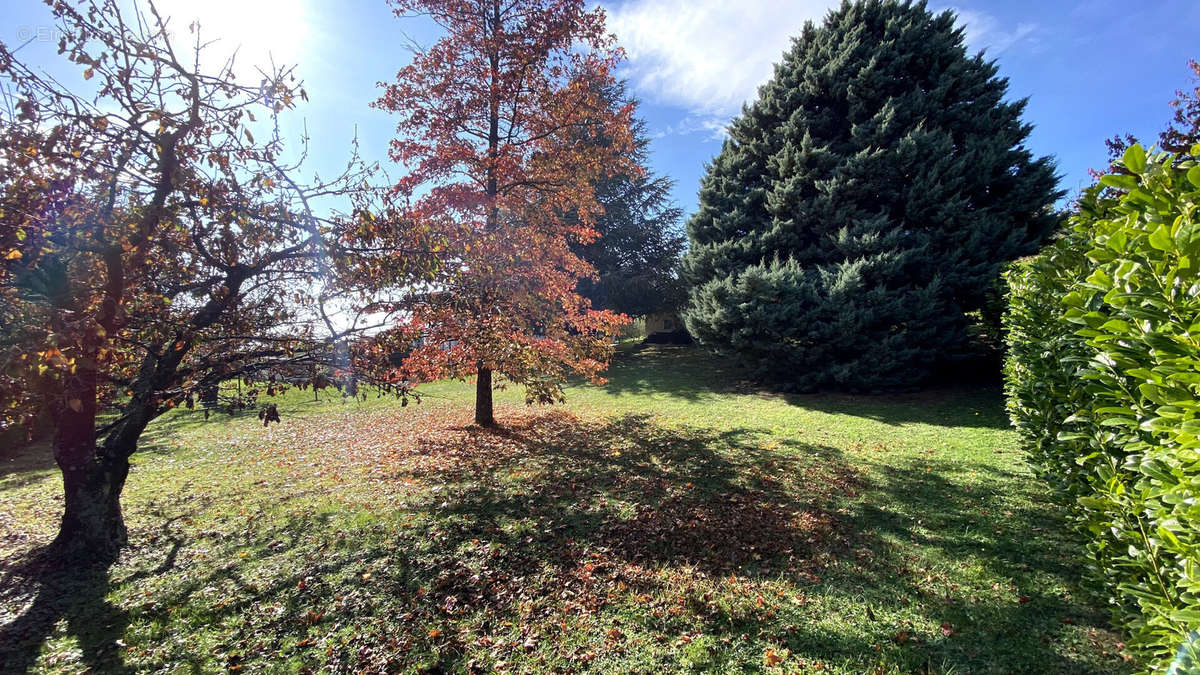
(677, 519)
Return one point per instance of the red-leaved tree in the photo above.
(496, 128)
(1184, 129)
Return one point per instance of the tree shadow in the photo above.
(26, 463)
(693, 374)
(482, 534)
(582, 507)
(74, 592)
(971, 407)
(591, 504)
(716, 501)
(690, 373)
(989, 519)
(1002, 524)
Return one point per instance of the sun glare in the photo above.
(259, 30)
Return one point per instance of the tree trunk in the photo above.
(92, 524)
(483, 383)
(93, 478)
(483, 399)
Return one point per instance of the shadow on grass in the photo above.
(975, 407)
(34, 462)
(75, 592)
(19, 461)
(693, 374)
(718, 501)
(1023, 611)
(560, 542)
(630, 496)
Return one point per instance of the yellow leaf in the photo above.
(87, 74)
(13, 255)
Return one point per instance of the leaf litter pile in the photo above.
(410, 541)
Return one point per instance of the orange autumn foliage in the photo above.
(496, 128)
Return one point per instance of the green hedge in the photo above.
(1103, 383)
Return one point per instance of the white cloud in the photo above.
(985, 31)
(709, 56)
(713, 125)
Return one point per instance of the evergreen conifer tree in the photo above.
(864, 203)
(637, 253)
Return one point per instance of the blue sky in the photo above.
(1090, 68)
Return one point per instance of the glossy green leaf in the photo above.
(1134, 158)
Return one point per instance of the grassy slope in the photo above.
(673, 520)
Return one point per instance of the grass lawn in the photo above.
(675, 520)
